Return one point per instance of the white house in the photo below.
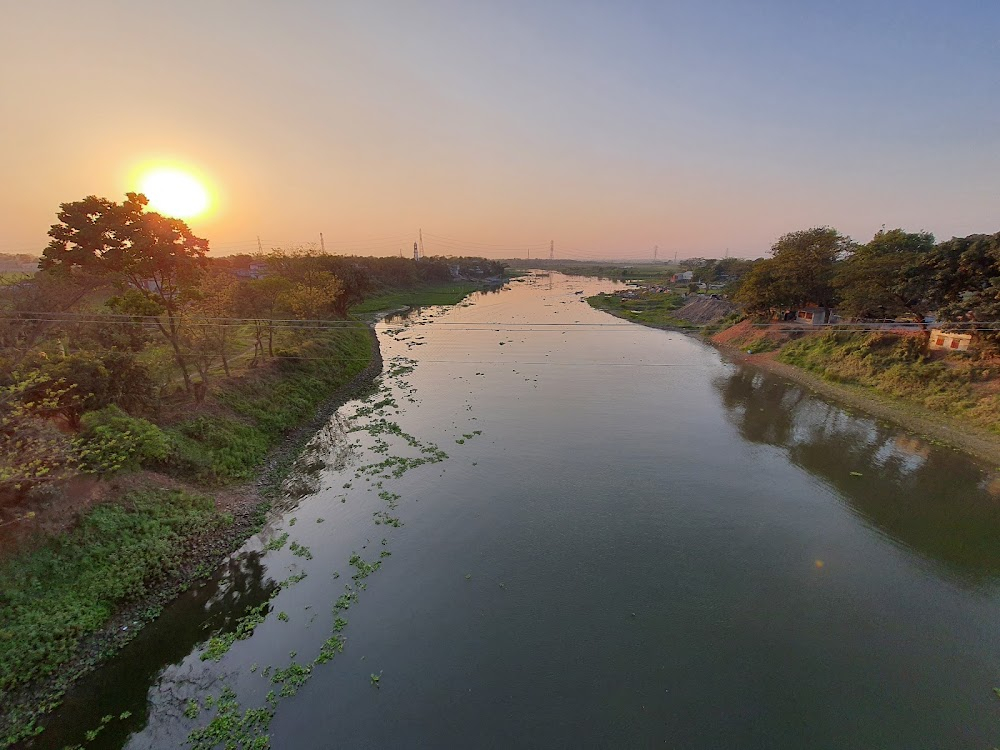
(950, 341)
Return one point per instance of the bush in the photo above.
(217, 449)
(111, 441)
(68, 588)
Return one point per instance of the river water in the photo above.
(631, 543)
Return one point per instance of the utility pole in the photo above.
(552, 249)
(656, 249)
(675, 257)
(322, 245)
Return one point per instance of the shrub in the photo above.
(112, 441)
(68, 588)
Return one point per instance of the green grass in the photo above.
(450, 293)
(68, 588)
(654, 309)
(265, 406)
(896, 366)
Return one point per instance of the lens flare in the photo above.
(174, 192)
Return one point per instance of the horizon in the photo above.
(497, 129)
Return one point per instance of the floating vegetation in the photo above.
(230, 729)
(364, 569)
(381, 517)
(233, 728)
(277, 543)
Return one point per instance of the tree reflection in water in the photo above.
(927, 498)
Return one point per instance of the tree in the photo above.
(315, 296)
(210, 333)
(260, 300)
(32, 451)
(800, 271)
(761, 292)
(881, 279)
(33, 309)
(963, 282)
(157, 257)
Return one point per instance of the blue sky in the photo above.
(607, 127)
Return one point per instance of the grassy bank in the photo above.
(450, 293)
(655, 309)
(230, 443)
(957, 385)
(69, 588)
(61, 596)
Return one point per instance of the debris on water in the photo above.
(856, 474)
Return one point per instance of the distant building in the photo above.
(950, 341)
(683, 277)
(252, 271)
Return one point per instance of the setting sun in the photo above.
(174, 192)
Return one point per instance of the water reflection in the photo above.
(124, 683)
(328, 449)
(930, 499)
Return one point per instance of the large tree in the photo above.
(882, 279)
(157, 258)
(800, 272)
(963, 282)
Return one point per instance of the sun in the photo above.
(174, 192)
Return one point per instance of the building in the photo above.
(682, 278)
(813, 316)
(949, 340)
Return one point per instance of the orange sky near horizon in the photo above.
(497, 128)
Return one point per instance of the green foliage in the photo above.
(896, 366)
(216, 450)
(800, 271)
(33, 452)
(82, 381)
(880, 280)
(649, 308)
(111, 441)
(448, 293)
(69, 587)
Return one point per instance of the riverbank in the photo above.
(760, 347)
(655, 310)
(78, 597)
(450, 293)
(930, 425)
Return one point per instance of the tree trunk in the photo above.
(225, 357)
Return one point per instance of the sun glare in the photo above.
(174, 192)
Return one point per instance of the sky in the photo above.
(607, 128)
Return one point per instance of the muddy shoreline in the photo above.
(248, 504)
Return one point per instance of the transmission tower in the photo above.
(552, 249)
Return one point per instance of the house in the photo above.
(254, 270)
(949, 340)
(682, 278)
(813, 316)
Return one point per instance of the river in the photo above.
(631, 543)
